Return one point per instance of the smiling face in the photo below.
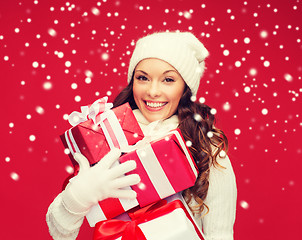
(157, 89)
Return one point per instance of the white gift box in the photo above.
(178, 224)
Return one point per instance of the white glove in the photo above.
(93, 184)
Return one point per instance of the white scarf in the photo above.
(158, 127)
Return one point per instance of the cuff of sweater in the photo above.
(72, 204)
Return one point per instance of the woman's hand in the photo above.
(104, 180)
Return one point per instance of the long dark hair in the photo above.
(196, 123)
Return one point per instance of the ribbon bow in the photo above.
(129, 230)
(92, 111)
(151, 133)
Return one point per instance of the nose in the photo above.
(154, 89)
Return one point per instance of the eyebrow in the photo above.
(170, 70)
(141, 71)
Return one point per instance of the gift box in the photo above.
(168, 219)
(97, 129)
(165, 167)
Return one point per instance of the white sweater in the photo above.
(65, 224)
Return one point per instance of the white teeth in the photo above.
(155, 105)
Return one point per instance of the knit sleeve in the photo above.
(221, 200)
(62, 223)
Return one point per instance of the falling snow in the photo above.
(56, 57)
(32, 138)
(244, 204)
(15, 176)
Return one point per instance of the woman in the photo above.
(164, 75)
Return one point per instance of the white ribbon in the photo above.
(186, 151)
(112, 130)
(72, 144)
(101, 114)
(90, 112)
(151, 163)
(155, 171)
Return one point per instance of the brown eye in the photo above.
(169, 80)
(142, 78)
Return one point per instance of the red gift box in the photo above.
(165, 167)
(100, 130)
(166, 219)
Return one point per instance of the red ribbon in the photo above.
(129, 230)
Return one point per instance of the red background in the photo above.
(260, 95)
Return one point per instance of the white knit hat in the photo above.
(182, 50)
